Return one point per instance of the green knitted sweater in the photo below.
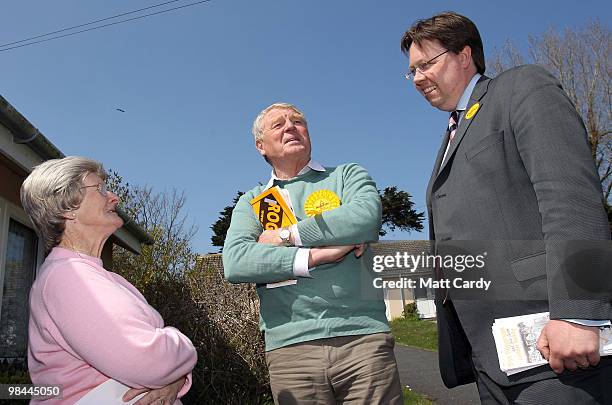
(339, 299)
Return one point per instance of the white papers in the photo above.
(516, 339)
(108, 393)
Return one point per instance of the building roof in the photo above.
(25, 133)
(413, 248)
(389, 247)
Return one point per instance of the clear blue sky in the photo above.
(192, 81)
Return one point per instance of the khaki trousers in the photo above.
(339, 370)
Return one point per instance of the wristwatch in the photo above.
(285, 234)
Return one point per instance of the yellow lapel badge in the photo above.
(321, 201)
(472, 111)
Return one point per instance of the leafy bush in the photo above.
(14, 372)
(410, 311)
(233, 366)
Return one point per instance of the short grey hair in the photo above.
(53, 189)
(258, 124)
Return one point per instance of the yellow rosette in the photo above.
(321, 201)
(472, 111)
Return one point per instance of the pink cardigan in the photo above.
(88, 325)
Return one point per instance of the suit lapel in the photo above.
(436, 168)
(479, 91)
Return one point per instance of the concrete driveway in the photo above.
(419, 370)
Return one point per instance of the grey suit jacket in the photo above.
(520, 183)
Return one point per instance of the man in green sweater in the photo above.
(327, 337)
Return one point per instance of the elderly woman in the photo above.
(89, 328)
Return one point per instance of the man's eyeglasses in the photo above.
(422, 68)
(102, 188)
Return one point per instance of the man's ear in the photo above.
(466, 56)
(259, 146)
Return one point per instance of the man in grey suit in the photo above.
(515, 175)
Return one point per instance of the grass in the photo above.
(414, 332)
(413, 398)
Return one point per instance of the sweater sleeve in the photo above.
(107, 326)
(245, 260)
(357, 220)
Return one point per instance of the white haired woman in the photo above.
(88, 326)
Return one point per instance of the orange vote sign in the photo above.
(272, 210)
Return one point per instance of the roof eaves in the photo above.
(134, 228)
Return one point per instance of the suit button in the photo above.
(440, 196)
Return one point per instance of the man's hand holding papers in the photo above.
(516, 341)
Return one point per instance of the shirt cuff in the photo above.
(296, 237)
(300, 263)
(589, 322)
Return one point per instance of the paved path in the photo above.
(419, 370)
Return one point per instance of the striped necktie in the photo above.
(452, 124)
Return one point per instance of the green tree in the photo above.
(221, 226)
(397, 207)
(398, 211)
